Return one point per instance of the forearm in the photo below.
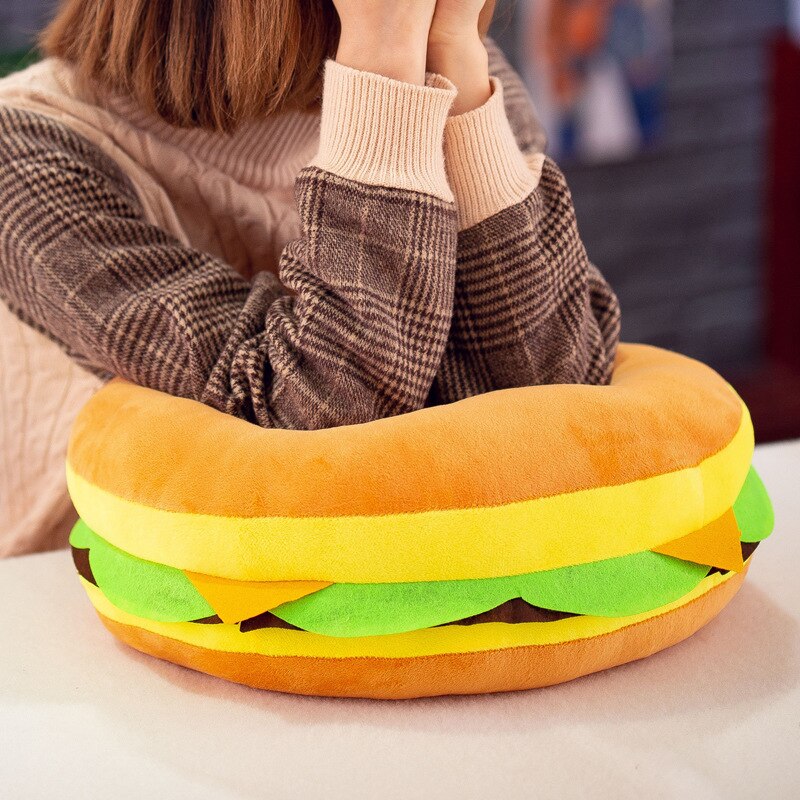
(529, 307)
(372, 275)
(363, 333)
(374, 271)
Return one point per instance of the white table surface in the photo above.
(717, 716)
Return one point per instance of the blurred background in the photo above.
(677, 123)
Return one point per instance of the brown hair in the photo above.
(200, 63)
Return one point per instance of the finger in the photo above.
(485, 18)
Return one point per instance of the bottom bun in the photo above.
(561, 650)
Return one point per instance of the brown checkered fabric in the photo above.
(360, 334)
(381, 306)
(529, 308)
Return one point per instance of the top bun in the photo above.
(500, 484)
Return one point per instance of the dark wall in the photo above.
(679, 231)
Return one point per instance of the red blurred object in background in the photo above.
(783, 282)
(773, 391)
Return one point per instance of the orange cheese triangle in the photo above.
(717, 544)
(234, 601)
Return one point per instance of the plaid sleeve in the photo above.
(354, 330)
(529, 308)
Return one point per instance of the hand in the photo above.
(388, 37)
(456, 49)
(455, 21)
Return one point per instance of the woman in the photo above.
(148, 227)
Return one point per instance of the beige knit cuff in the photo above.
(487, 170)
(385, 132)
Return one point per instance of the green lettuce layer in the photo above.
(144, 588)
(753, 509)
(613, 587)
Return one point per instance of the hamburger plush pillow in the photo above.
(508, 541)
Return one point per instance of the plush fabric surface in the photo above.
(754, 510)
(233, 601)
(141, 587)
(466, 671)
(613, 587)
(615, 513)
(712, 545)
(172, 454)
(445, 493)
(411, 644)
